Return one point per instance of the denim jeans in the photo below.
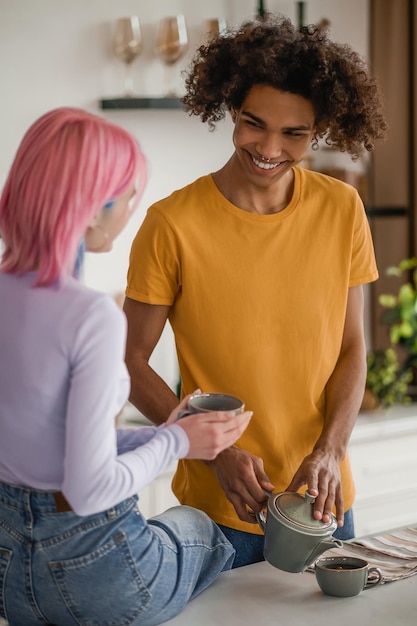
(109, 568)
(249, 547)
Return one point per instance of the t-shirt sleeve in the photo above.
(363, 264)
(154, 274)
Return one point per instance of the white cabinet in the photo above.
(158, 496)
(383, 454)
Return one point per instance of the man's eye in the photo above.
(295, 134)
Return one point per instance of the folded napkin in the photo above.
(395, 553)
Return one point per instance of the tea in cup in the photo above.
(206, 402)
(345, 576)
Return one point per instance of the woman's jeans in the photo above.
(105, 569)
(249, 547)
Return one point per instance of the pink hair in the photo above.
(68, 165)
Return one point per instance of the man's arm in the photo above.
(149, 393)
(239, 473)
(344, 394)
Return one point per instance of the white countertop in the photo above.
(397, 419)
(394, 421)
(261, 595)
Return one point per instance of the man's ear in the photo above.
(233, 114)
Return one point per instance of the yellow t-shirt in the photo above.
(258, 308)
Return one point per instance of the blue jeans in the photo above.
(249, 547)
(109, 568)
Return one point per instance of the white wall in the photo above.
(58, 52)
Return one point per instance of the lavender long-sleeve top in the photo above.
(62, 382)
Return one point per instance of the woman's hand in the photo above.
(181, 407)
(210, 433)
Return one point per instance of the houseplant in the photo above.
(391, 371)
(400, 312)
(386, 382)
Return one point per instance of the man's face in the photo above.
(273, 130)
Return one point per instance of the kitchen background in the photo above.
(59, 52)
(55, 53)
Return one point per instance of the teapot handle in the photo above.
(260, 516)
(261, 519)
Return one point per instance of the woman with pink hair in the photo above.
(74, 547)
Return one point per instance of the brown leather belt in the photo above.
(61, 503)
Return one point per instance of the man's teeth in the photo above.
(263, 165)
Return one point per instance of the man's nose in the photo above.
(270, 147)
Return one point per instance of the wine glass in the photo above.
(171, 45)
(127, 45)
(212, 28)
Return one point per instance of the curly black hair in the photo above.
(346, 99)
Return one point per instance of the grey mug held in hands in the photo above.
(345, 576)
(207, 402)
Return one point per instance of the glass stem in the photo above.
(128, 81)
(170, 80)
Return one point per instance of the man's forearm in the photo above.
(151, 395)
(344, 395)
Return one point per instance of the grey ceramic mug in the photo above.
(206, 402)
(345, 576)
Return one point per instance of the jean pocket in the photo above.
(5, 558)
(102, 588)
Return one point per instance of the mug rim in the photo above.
(209, 394)
(357, 564)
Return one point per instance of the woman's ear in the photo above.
(96, 239)
(94, 220)
(233, 114)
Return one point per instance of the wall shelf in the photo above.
(141, 103)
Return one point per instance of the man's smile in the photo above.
(264, 165)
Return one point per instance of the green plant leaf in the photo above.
(406, 294)
(387, 300)
(406, 329)
(395, 333)
(407, 264)
(393, 271)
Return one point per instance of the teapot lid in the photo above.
(299, 511)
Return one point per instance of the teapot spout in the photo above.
(324, 545)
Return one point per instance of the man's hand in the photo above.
(241, 476)
(320, 472)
